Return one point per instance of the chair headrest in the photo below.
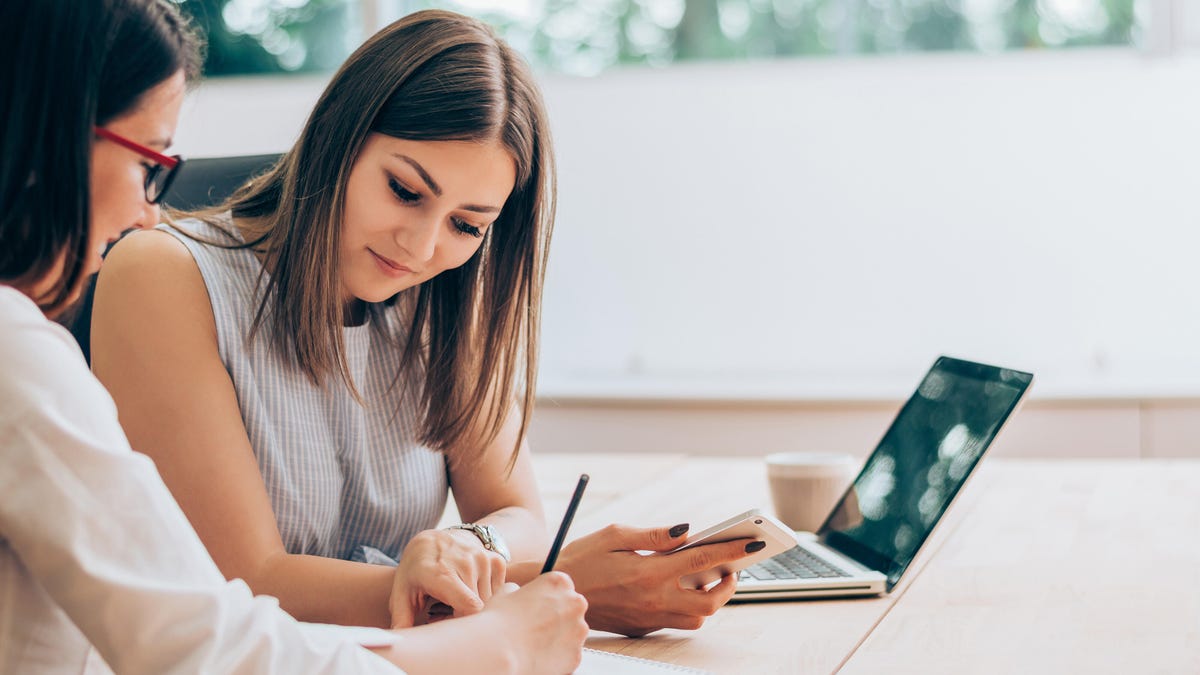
(207, 181)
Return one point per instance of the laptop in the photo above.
(904, 489)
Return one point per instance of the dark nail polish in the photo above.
(755, 546)
(678, 530)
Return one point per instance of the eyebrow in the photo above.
(435, 188)
(162, 143)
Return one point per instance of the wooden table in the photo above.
(1060, 567)
(1042, 566)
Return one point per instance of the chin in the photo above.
(374, 288)
(374, 296)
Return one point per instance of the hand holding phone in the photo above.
(752, 525)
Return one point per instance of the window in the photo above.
(587, 36)
(275, 36)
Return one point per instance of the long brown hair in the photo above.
(473, 332)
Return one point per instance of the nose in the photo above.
(419, 238)
(149, 217)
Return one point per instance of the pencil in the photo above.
(566, 524)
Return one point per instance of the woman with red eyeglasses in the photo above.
(99, 567)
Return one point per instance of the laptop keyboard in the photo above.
(794, 563)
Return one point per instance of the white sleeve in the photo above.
(94, 524)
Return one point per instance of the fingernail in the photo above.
(755, 546)
(678, 530)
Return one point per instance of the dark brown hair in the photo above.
(473, 330)
(66, 66)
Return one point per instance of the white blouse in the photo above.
(94, 552)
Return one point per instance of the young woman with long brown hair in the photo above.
(314, 364)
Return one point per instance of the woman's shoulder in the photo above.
(206, 230)
(17, 308)
(150, 278)
(40, 360)
(219, 251)
(149, 256)
(25, 331)
(171, 251)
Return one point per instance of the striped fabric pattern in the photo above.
(346, 480)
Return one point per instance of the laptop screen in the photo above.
(923, 460)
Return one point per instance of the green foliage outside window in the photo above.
(275, 36)
(588, 36)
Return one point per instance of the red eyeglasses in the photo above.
(160, 175)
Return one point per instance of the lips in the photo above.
(390, 266)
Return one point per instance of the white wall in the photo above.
(823, 220)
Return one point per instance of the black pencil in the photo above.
(566, 524)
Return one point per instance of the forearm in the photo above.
(117, 555)
(439, 648)
(327, 590)
(521, 572)
(525, 571)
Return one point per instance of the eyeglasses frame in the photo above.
(161, 161)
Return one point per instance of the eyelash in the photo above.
(409, 197)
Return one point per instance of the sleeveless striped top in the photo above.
(345, 480)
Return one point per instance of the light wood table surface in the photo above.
(647, 490)
(1055, 567)
(1061, 567)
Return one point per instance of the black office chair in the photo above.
(210, 180)
(200, 183)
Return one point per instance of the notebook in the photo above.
(596, 662)
(905, 487)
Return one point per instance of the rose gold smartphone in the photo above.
(752, 525)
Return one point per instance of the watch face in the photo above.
(488, 536)
(495, 542)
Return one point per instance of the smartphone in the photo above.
(752, 525)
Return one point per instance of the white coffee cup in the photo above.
(805, 486)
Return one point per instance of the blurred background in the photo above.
(586, 37)
(775, 214)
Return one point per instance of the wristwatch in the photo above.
(488, 536)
